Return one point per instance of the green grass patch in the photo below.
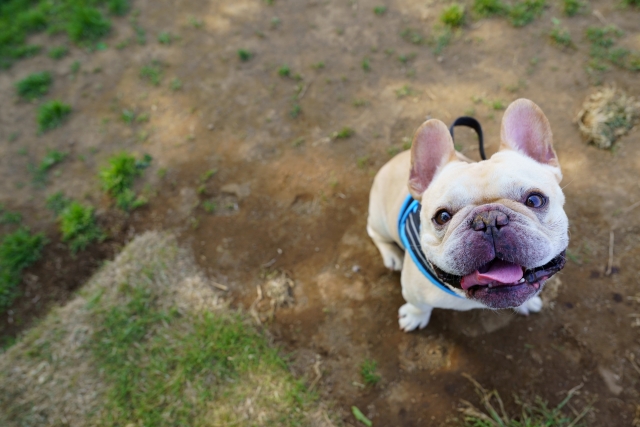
(488, 8)
(152, 73)
(118, 177)
(412, 36)
(175, 84)
(559, 35)
(78, 226)
(524, 12)
(52, 114)
(118, 7)
(87, 25)
(366, 65)
(58, 52)
(18, 250)
(57, 202)
(52, 158)
(295, 111)
(380, 10)
(536, 414)
(166, 37)
(244, 55)
(8, 217)
(369, 372)
(34, 86)
(572, 7)
(344, 133)
(284, 71)
(453, 16)
(603, 50)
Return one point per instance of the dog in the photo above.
(485, 234)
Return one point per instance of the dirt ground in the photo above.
(290, 197)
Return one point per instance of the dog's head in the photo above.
(494, 230)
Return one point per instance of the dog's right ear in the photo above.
(432, 148)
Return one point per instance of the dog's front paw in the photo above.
(534, 305)
(411, 317)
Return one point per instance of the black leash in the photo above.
(473, 124)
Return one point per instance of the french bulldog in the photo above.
(491, 232)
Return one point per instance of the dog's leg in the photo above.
(392, 255)
(534, 305)
(411, 317)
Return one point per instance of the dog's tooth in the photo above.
(521, 280)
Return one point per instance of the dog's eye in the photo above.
(442, 217)
(536, 200)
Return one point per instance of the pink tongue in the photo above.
(500, 271)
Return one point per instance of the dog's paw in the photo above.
(393, 260)
(411, 317)
(534, 305)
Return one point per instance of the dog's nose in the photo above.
(483, 220)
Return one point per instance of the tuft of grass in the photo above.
(344, 133)
(18, 250)
(8, 217)
(57, 202)
(175, 84)
(453, 16)
(152, 73)
(412, 36)
(440, 38)
(118, 177)
(79, 227)
(380, 10)
(560, 36)
(209, 206)
(51, 158)
(244, 55)
(366, 65)
(52, 114)
(284, 71)
(534, 414)
(487, 8)
(632, 3)
(165, 37)
(295, 111)
(128, 116)
(58, 52)
(318, 65)
(87, 25)
(524, 12)
(404, 91)
(118, 7)
(572, 7)
(368, 370)
(34, 86)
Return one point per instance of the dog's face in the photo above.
(494, 230)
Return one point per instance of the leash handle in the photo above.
(473, 124)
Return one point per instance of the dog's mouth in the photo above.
(502, 277)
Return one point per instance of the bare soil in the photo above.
(290, 197)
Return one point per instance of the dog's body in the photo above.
(493, 231)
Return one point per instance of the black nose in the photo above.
(484, 220)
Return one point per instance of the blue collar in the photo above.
(409, 230)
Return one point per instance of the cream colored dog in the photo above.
(491, 233)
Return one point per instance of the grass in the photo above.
(404, 91)
(118, 177)
(52, 114)
(18, 250)
(50, 159)
(572, 7)
(84, 22)
(244, 55)
(536, 414)
(284, 71)
(152, 73)
(366, 65)
(524, 12)
(157, 349)
(34, 86)
(412, 36)
(453, 16)
(166, 38)
(58, 52)
(128, 116)
(295, 111)
(209, 206)
(57, 202)
(380, 10)
(603, 50)
(344, 133)
(368, 370)
(175, 84)
(78, 226)
(560, 36)
(488, 8)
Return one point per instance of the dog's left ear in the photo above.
(432, 148)
(526, 129)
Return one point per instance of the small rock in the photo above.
(210, 126)
(355, 268)
(440, 58)
(610, 379)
